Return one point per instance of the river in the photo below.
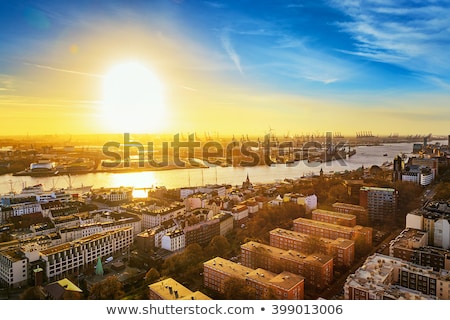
(365, 156)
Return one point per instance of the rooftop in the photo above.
(227, 266)
(334, 214)
(66, 246)
(349, 206)
(409, 238)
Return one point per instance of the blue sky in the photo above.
(294, 65)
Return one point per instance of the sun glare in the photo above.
(132, 99)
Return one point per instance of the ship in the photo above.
(79, 165)
(42, 168)
(76, 191)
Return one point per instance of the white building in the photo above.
(154, 217)
(210, 188)
(21, 209)
(226, 222)
(186, 192)
(13, 268)
(278, 201)
(385, 277)
(49, 196)
(418, 174)
(195, 202)
(115, 194)
(173, 241)
(73, 233)
(160, 231)
(437, 225)
(442, 233)
(310, 202)
(114, 220)
(239, 213)
(73, 256)
(414, 220)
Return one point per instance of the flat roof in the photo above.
(166, 289)
(228, 267)
(66, 246)
(300, 236)
(335, 214)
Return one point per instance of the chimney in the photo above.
(38, 276)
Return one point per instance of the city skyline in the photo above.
(177, 66)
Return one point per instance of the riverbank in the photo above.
(195, 176)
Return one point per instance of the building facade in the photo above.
(74, 256)
(317, 269)
(381, 203)
(342, 250)
(334, 217)
(285, 285)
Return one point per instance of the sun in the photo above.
(132, 99)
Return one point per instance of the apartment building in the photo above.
(285, 285)
(381, 203)
(384, 277)
(73, 256)
(202, 232)
(334, 217)
(360, 212)
(120, 194)
(317, 268)
(226, 222)
(150, 239)
(170, 289)
(174, 240)
(342, 250)
(434, 219)
(412, 245)
(333, 231)
(308, 201)
(156, 216)
(240, 214)
(13, 268)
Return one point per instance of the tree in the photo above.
(172, 266)
(409, 199)
(362, 248)
(193, 254)
(337, 193)
(72, 295)
(218, 247)
(442, 191)
(315, 245)
(151, 276)
(237, 289)
(31, 293)
(108, 289)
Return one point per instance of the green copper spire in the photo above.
(99, 267)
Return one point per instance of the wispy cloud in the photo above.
(216, 5)
(6, 83)
(189, 88)
(412, 35)
(63, 70)
(294, 5)
(316, 67)
(231, 52)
